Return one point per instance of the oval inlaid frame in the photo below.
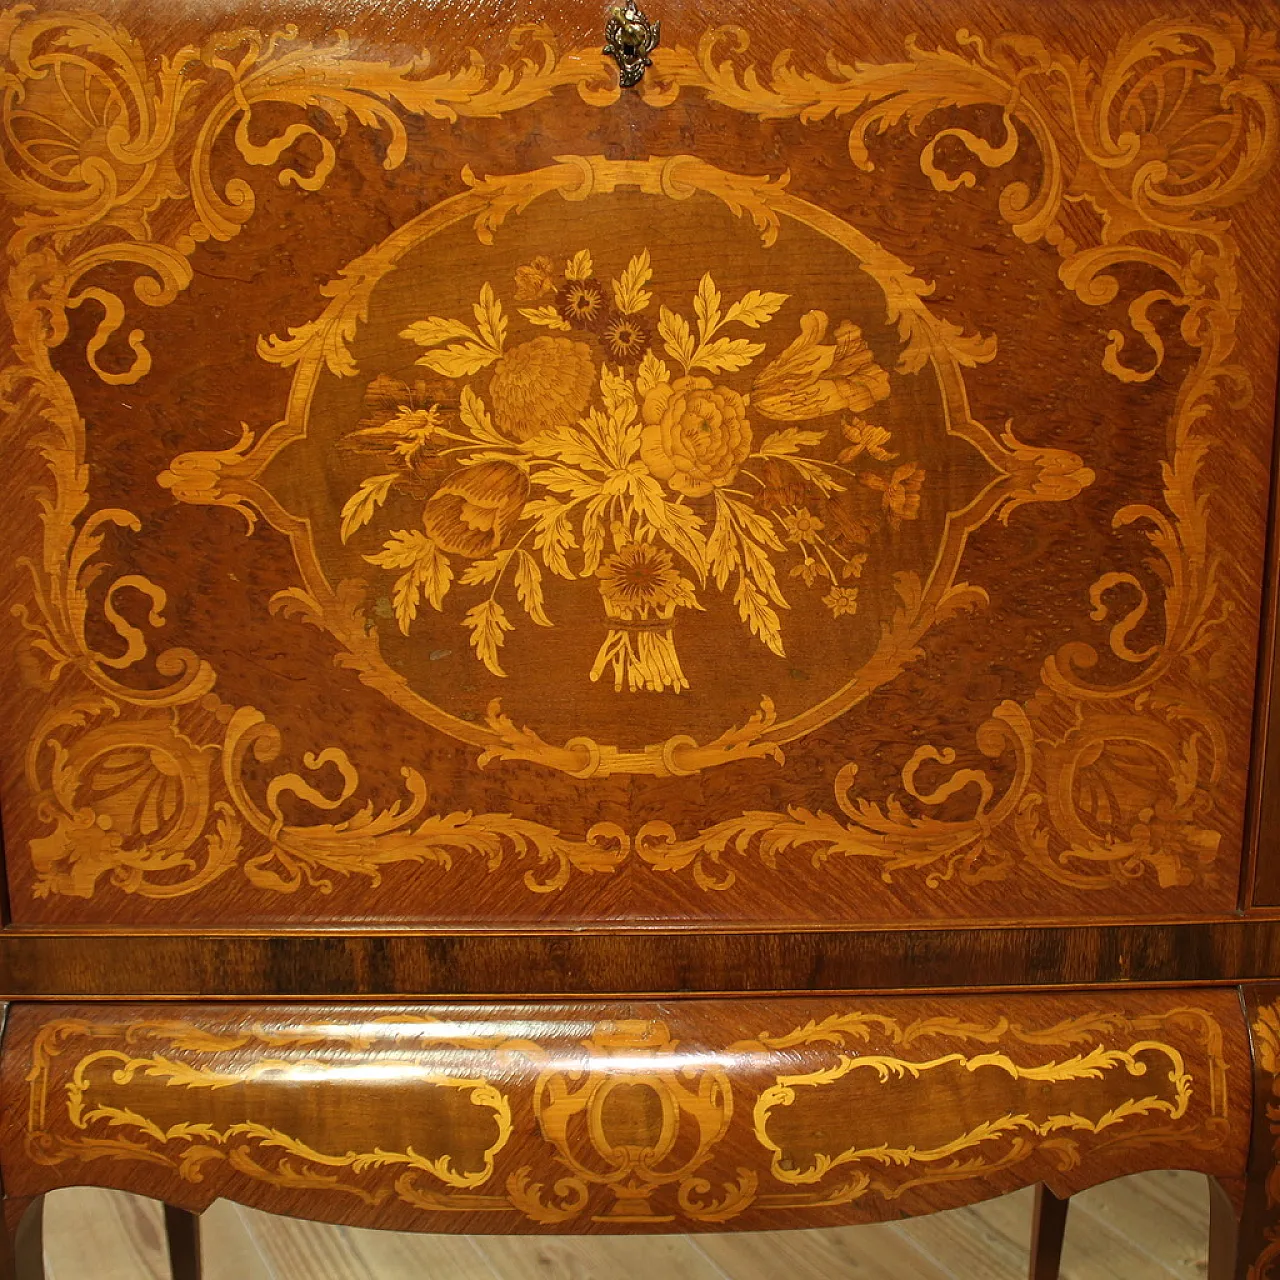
(661, 474)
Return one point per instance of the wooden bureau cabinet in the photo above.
(625, 627)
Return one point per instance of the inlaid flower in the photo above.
(626, 337)
(404, 422)
(641, 580)
(802, 526)
(782, 486)
(695, 435)
(901, 491)
(811, 378)
(541, 385)
(581, 302)
(471, 513)
(850, 526)
(864, 437)
(534, 279)
(842, 601)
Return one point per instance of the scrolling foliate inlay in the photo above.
(146, 785)
(624, 1122)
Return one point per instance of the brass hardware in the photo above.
(629, 39)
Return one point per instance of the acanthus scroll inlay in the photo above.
(140, 777)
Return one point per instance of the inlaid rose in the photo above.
(695, 436)
(471, 513)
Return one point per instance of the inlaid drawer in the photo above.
(678, 1116)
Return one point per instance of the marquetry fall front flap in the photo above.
(623, 1117)
(826, 481)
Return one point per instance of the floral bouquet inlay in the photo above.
(643, 450)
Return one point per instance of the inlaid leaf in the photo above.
(401, 550)
(755, 308)
(529, 588)
(674, 330)
(629, 293)
(616, 390)
(571, 449)
(475, 417)
(579, 267)
(427, 572)
(404, 599)
(435, 330)
(459, 361)
(490, 319)
(358, 509)
(680, 527)
(706, 306)
(756, 612)
(651, 373)
(553, 535)
(593, 533)
(487, 624)
(754, 524)
(726, 355)
(547, 316)
(481, 572)
(781, 443)
(760, 567)
(722, 547)
(815, 475)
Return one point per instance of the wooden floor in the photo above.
(1149, 1227)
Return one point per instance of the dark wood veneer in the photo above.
(651, 963)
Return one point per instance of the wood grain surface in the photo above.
(798, 528)
(334, 965)
(980, 664)
(622, 1118)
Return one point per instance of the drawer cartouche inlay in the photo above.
(563, 1117)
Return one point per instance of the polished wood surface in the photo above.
(795, 531)
(1048, 1231)
(898, 409)
(447, 964)
(581, 1117)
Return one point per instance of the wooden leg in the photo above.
(1048, 1227)
(182, 1230)
(22, 1251)
(1248, 1248)
(1224, 1233)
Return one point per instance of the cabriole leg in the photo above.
(182, 1230)
(22, 1251)
(1048, 1227)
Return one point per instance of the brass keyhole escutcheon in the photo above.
(629, 39)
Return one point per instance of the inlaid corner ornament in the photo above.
(593, 460)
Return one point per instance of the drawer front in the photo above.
(619, 1117)
(802, 488)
